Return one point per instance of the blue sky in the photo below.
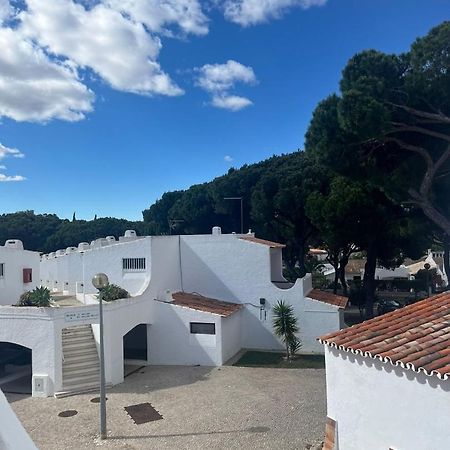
(103, 135)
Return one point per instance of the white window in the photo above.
(133, 264)
(2, 270)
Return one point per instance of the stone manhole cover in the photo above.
(143, 413)
(96, 400)
(68, 413)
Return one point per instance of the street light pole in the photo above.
(100, 281)
(242, 210)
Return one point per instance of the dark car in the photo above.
(385, 306)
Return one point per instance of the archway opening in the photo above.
(135, 349)
(15, 368)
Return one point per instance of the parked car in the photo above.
(385, 306)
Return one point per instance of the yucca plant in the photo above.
(112, 292)
(39, 296)
(285, 326)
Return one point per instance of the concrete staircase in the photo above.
(81, 365)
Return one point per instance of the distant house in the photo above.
(19, 271)
(388, 380)
(318, 253)
(195, 300)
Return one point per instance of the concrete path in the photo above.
(202, 408)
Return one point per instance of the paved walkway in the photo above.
(65, 300)
(202, 408)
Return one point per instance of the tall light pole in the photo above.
(100, 280)
(84, 281)
(242, 210)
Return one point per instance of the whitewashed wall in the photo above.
(64, 272)
(40, 329)
(170, 340)
(11, 284)
(12, 434)
(232, 269)
(379, 406)
(316, 319)
(231, 335)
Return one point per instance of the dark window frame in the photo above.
(201, 328)
(134, 264)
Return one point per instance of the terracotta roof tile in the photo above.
(262, 241)
(205, 304)
(416, 337)
(328, 297)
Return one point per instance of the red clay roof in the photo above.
(416, 337)
(262, 241)
(205, 304)
(328, 297)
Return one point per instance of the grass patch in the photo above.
(276, 360)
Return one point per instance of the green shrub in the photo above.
(112, 292)
(319, 280)
(39, 296)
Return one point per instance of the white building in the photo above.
(19, 271)
(195, 300)
(12, 434)
(388, 380)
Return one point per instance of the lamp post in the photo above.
(242, 210)
(83, 277)
(100, 280)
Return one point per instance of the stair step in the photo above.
(80, 390)
(77, 328)
(81, 332)
(81, 358)
(77, 339)
(78, 345)
(71, 373)
(78, 365)
(69, 383)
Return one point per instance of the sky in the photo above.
(107, 104)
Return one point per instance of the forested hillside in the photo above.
(374, 176)
(47, 232)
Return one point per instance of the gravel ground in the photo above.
(203, 408)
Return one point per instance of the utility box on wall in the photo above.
(41, 386)
(27, 275)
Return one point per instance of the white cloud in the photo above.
(6, 152)
(4, 178)
(231, 102)
(6, 10)
(228, 158)
(119, 50)
(33, 88)
(218, 79)
(221, 77)
(159, 15)
(251, 12)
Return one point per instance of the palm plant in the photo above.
(285, 326)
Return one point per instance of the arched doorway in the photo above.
(15, 368)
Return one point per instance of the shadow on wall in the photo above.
(197, 275)
(256, 334)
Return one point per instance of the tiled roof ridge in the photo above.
(328, 297)
(199, 302)
(255, 240)
(416, 337)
